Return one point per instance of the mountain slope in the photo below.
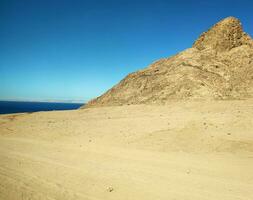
(218, 66)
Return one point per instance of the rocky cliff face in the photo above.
(218, 66)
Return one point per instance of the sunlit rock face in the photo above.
(219, 65)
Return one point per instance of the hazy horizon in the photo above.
(46, 101)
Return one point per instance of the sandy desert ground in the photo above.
(180, 151)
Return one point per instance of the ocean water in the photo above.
(7, 107)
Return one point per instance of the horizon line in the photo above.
(46, 101)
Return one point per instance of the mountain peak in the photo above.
(230, 21)
(219, 66)
(223, 36)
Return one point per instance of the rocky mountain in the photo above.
(219, 65)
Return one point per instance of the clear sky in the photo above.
(77, 49)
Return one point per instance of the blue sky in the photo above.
(77, 49)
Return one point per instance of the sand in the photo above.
(180, 151)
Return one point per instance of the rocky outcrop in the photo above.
(223, 36)
(218, 66)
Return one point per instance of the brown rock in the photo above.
(223, 36)
(218, 66)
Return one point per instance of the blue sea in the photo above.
(7, 107)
